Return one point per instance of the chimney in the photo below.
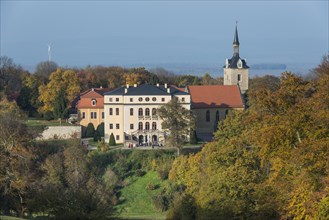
(168, 90)
(127, 86)
(126, 90)
(158, 84)
(92, 89)
(135, 85)
(166, 85)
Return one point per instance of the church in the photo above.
(130, 112)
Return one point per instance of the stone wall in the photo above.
(60, 132)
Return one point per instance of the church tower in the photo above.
(236, 69)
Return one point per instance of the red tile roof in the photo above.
(87, 97)
(216, 96)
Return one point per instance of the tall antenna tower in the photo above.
(49, 52)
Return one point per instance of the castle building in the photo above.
(236, 69)
(131, 112)
(91, 107)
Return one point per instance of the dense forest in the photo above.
(267, 162)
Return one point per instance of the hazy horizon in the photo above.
(154, 33)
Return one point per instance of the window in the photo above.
(140, 99)
(162, 99)
(116, 99)
(147, 99)
(117, 126)
(131, 126)
(154, 111)
(154, 99)
(117, 111)
(217, 116)
(131, 111)
(239, 77)
(207, 116)
(110, 99)
(154, 125)
(147, 126)
(140, 126)
(102, 115)
(183, 99)
(147, 112)
(226, 113)
(111, 111)
(117, 137)
(93, 115)
(140, 112)
(83, 115)
(111, 126)
(93, 102)
(131, 99)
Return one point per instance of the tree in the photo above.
(97, 136)
(112, 140)
(90, 130)
(178, 121)
(100, 129)
(28, 97)
(60, 81)
(193, 137)
(60, 108)
(16, 173)
(44, 69)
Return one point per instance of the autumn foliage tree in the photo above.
(268, 162)
(61, 81)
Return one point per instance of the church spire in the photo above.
(236, 38)
(236, 41)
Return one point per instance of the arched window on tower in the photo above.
(207, 116)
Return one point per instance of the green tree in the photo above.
(60, 108)
(112, 140)
(100, 129)
(90, 130)
(97, 136)
(178, 122)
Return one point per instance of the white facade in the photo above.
(131, 113)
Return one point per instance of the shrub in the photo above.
(48, 116)
(102, 146)
(163, 173)
(97, 136)
(151, 186)
(160, 203)
(140, 173)
(90, 131)
(100, 129)
(112, 140)
(193, 137)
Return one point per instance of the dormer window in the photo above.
(239, 64)
(93, 102)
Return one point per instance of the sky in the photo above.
(126, 33)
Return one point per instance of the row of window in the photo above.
(140, 126)
(216, 115)
(140, 111)
(93, 115)
(140, 99)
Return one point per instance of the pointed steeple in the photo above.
(236, 38)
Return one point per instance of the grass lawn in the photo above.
(2, 217)
(136, 199)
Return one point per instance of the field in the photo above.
(136, 200)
